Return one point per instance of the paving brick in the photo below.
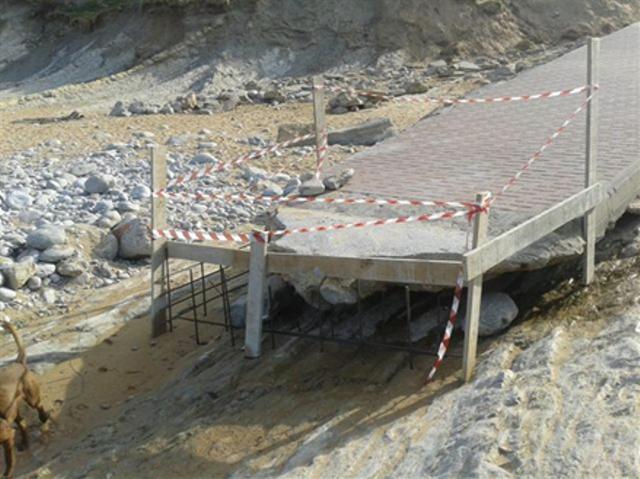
(461, 150)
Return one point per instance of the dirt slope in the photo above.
(208, 48)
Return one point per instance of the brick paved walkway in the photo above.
(466, 149)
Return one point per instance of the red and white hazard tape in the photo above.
(312, 199)
(243, 238)
(453, 317)
(464, 101)
(538, 154)
(443, 215)
(177, 235)
(253, 155)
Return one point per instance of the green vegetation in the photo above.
(85, 13)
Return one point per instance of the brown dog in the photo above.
(17, 383)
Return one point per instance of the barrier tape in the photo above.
(253, 155)
(453, 317)
(312, 199)
(538, 154)
(176, 234)
(464, 101)
(173, 234)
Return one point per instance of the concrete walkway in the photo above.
(465, 149)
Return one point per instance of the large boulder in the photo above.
(47, 236)
(134, 239)
(17, 274)
(107, 248)
(497, 312)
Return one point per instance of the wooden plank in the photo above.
(509, 243)
(210, 254)
(320, 121)
(255, 299)
(407, 271)
(158, 246)
(474, 295)
(590, 219)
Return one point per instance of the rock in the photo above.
(280, 292)
(424, 324)
(18, 199)
(631, 250)
(253, 173)
(134, 239)
(1, 279)
(119, 109)
(274, 96)
(44, 270)
(17, 274)
(49, 296)
(98, 184)
(292, 187)
(127, 206)
(333, 183)
(364, 134)
(70, 268)
(204, 158)
(467, 66)
(7, 295)
(416, 88)
(34, 283)
(293, 130)
(312, 187)
(141, 192)
(47, 236)
(634, 207)
(109, 219)
(270, 189)
(107, 248)
(56, 254)
(344, 103)
(338, 291)
(498, 311)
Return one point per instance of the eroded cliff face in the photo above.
(40, 48)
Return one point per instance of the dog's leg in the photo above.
(32, 396)
(7, 439)
(22, 425)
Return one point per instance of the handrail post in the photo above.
(320, 123)
(158, 246)
(591, 173)
(255, 296)
(474, 293)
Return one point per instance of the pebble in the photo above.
(98, 184)
(46, 237)
(7, 295)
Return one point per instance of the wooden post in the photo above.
(590, 220)
(320, 121)
(255, 298)
(158, 246)
(474, 294)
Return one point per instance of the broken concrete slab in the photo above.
(437, 240)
